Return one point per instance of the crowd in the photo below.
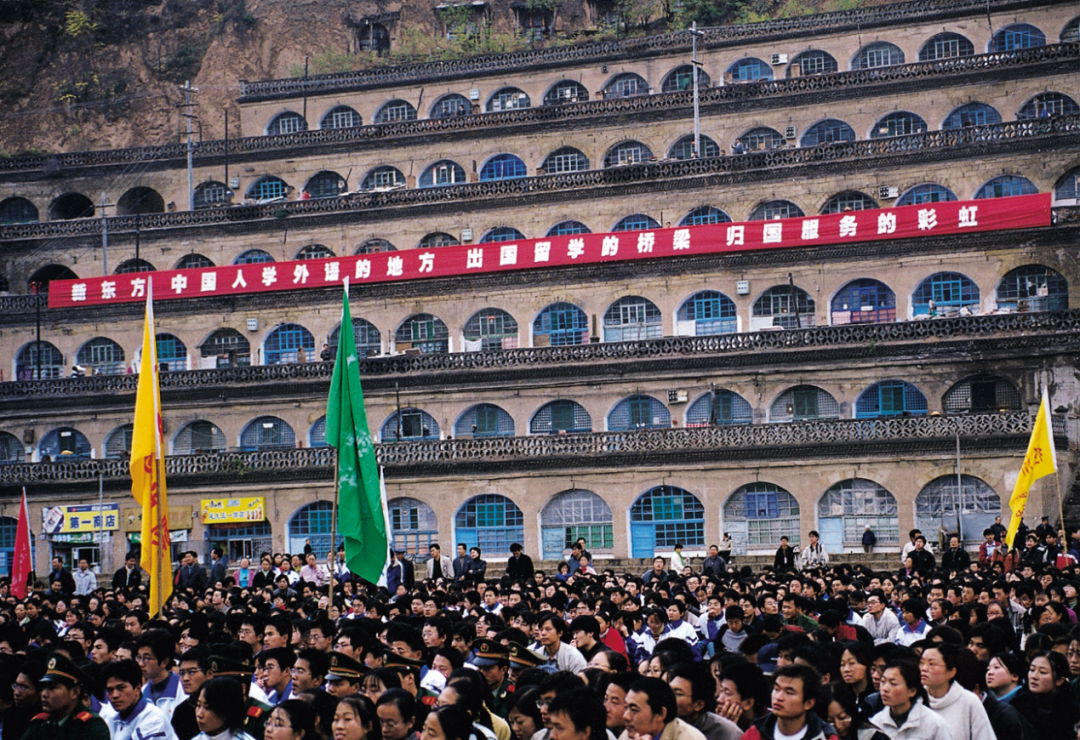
(945, 646)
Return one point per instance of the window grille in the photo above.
(267, 433)
(711, 312)
(564, 228)
(632, 318)
(287, 343)
(566, 91)
(945, 289)
(880, 54)
(18, 211)
(490, 522)
(827, 132)
(11, 450)
(636, 222)
(494, 328)
(626, 153)
(268, 188)
(118, 443)
(509, 98)
(562, 324)
(383, 177)
(366, 335)
(639, 412)
(424, 332)
(675, 516)
(804, 403)
(928, 193)
(198, 437)
(759, 514)
(287, 123)
(1006, 186)
(682, 78)
(774, 209)
(503, 167)
(171, 353)
(325, 184)
(1040, 289)
(443, 172)
(815, 62)
(762, 138)
(65, 443)
(502, 234)
(566, 159)
(946, 46)
(253, 257)
(1018, 36)
(210, 194)
(941, 505)
(103, 354)
(193, 261)
(781, 303)
(573, 514)
(437, 239)
(749, 70)
(626, 85)
(972, 114)
(314, 252)
(898, 124)
(396, 110)
(890, 398)
(451, 106)
(342, 117)
(131, 266)
(415, 424)
(719, 407)
(705, 215)
(560, 416)
(484, 420)
(857, 502)
(1048, 104)
(375, 246)
(684, 148)
(850, 200)
(981, 394)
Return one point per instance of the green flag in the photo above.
(360, 511)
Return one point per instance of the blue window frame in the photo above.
(211, 194)
(383, 177)
(628, 152)
(253, 257)
(508, 98)
(638, 412)
(636, 222)
(1047, 105)
(563, 324)
(1006, 186)
(193, 261)
(946, 46)
(171, 352)
(484, 420)
(415, 425)
(313, 522)
(451, 106)
(1068, 186)
(899, 123)
(503, 167)
(396, 111)
(103, 354)
(719, 407)
(9, 528)
(566, 228)
(443, 172)
(663, 517)
(879, 54)
(367, 336)
(757, 515)
(425, 332)
(703, 215)
(849, 200)
(268, 188)
(972, 114)
(342, 117)
(502, 234)
(712, 313)
(774, 209)
(1034, 288)
(781, 303)
(573, 514)
(566, 91)
(632, 318)
(927, 193)
(762, 138)
(749, 69)
(286, 123)
(494, 328)
(682, 78)
(286, 343)
(864, 301)
(490, 522)
(51, 365)
(560, 416)
(267, 433)
(813, 62)
(1017, 36)
(829, 131)
(65, 443)
(684, 148)
(890, 398)
(414, 527)
(945, 289)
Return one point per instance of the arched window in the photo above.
(104, 355)
(118, 443)
(626, 85)
(267, 433)
(829, 131)
(253, 257)
(451, 106)
(566, 159)
(437, 239)
(560, 416)
(944, 290)
(719, 407)
(707, 312)
(313, 522)
(491, 329)
(972, 114)
(443, 172)
(65, 443)
(230, 347)
(133, 265)
(1066, 189)
(315, 252)
(325, 184)
(193, 262)
(946, 46)
(804, 403)
(1071, 33)
(981, 394)
(631, 318)
(502, 234)
(268, 188)
(373, 38)
(212, 194)
(1033, 288)
(39, 281)
(395, 111)
(1017, 36)
(813, 62)
(70, 206)
(684, 148)
(663, 517)
(705, 215)
(927, 193)
(383, 177)
(289, 343)
(342, 117)
(783, 306)
(199, 437)
(140, 200)
(565, 228)
(17, 211)
(560, 324)
(413, 527)
(848, 507)
(508, 98)
(890, 398)
(11, 450)
(775, 209)
(286, 123)
(1047, 105)
(762, 138)
(171, 352)
(573, 515)
(972, 508)
(566, 91)
(898, 124)
(682, 78)
(749, 69)
(424, 332)
(638, 412)
(628, 152)
(503, 167)
(484, 420)
(367, 337)
(878, 54)
(849, 200)
(757, 515)
(636, 222)
(490, 522)
(375, 246)
(1006, 186)
(863, 301)
(409, 425)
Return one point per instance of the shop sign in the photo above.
(83, 518)
(131, 518)
(233, 510)
(81, 538)
(175, 535)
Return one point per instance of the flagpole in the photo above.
(333, 538)
(1057, 477)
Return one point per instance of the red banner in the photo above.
(852, 227)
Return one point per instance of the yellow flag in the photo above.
(148, 468)
(1040, 460)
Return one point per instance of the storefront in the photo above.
(179, 530)
(238, 526)
(83, 531)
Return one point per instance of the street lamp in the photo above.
(694, 33)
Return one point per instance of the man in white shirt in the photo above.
(133, 717)
(880, 621)
(561, 656)
(85, 580)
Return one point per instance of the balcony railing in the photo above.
(1003, 136)
(319, 461)
(967, 327)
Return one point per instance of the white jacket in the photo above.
(921, 724)
(146, 722)
(964, 714)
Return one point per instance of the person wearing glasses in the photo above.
(154, 654)
(291, 720)
(396, 710)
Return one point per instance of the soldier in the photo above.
(521, 659)
(63, 687)
(409, 671)
(257, 711)
(345, 677)
(493, 660)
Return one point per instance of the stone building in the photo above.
(637, 403)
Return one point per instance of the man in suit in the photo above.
(218, 571)
(461, 562)
(129, 576)
(395, 574)
(439, 566)
(58, 573)
(191, 574)
(408, 571)
(520, 566)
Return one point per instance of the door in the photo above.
(642, 540)
(553, 540)
(831, 529)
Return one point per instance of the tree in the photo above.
(708, 12)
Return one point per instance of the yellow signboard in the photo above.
(232, 510)
(179, 518)
(85, 518)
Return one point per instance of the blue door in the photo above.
(832, 533)
(642, 540)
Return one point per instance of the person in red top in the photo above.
(609, 636)
(796, 689)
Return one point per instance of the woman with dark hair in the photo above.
(1004, 676)
(523, 714)
(324, 706)
(293, 719)
(220, 710)
(906, 716)
(609, 661)
(450, 722)
(577, 714)
(379, 681)
(1046, 702)
(355, 719)
(960, 708)
(845, 715)
(855, 664)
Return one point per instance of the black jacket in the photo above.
(785, 559)
(955, 560)
(519, 568)
(123, 579)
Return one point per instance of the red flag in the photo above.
(22, 564)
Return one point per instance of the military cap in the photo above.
(490, 652)
(220, 666)
(61, 669)
(521, 657)
(399, 662)
(344, 667)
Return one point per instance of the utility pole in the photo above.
(104, 237)
(187, 90)
(694, 33)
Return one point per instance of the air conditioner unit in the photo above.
(790, 132)
(779, 59)
(888, 193)
(677, 396)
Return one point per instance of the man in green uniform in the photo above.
(522, 659)
(65, 718)
(493, 660)
(257, 711)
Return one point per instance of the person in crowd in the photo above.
(906, 715)
(65, 689)
(960, 708)
(219, 710)
(1046, 701)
